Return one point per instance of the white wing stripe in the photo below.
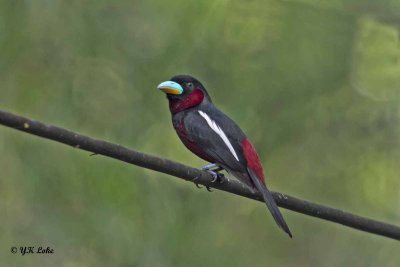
(219, 131)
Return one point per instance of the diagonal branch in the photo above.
(189, 174)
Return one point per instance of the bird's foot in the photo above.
(214, 170)
(217, 177)
(198, 186)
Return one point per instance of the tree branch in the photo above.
(189, 174)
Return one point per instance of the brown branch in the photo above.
(189, 174)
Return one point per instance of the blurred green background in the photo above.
(315, 85)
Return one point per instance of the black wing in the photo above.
(207, 128)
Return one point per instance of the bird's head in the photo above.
(184, 92)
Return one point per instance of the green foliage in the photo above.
(315, 85)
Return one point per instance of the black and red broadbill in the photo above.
(214, 137)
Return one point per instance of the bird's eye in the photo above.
(190, 85)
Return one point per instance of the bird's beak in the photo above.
(170, 87)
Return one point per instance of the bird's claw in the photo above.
(217, 177)
(220, 177)
(196, 184)
(214, 170)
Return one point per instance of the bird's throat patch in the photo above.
(192, 100)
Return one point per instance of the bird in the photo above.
(214, 137)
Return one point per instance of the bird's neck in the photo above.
(192, 100)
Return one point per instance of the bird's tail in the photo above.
(269, 200)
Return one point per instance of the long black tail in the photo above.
(271, 204)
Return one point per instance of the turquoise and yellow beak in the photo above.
(170, 87)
